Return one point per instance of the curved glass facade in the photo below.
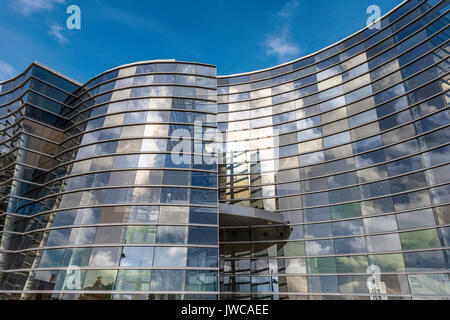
(334, 171)
(120, 210)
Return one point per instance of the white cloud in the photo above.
(289, 9)
(58, 33)
(6, 71)
(26, 7)
(103, 258)
(279, 44)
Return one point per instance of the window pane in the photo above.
(201, 280)
(58, 237)
(320, 230)
(77, 257)
(323, 284)
(320, 247)
(104, 257)
(107, 235)
(336, 139)
(170, 257)
(137, 256)
(441, 194)
(415, 219)
(202, 257)
(143, 214)
(350, 245)
(174, 195)
(437, 284)
(294, 266)
(346, 228)
(412, 200)
(99, 279)
(206, 197)
(367, 144)
(321, 265)
(140, 234)
(404, 165)
(420, 239)
(80, 236)
(344, 211)
(387, 242)
(291, 249)
(425, 261)
(171, 234)
(133, 280)
(388, 262)
(352, 264)
(198, 235)
(168, 280)
(380, 224)
(51, 258)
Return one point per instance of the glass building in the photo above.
(323, 178)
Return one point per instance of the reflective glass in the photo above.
(137, 257)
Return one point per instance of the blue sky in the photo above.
(236, 35)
